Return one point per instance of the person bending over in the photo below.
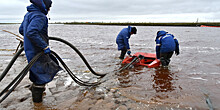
(166, 44)
(122, 40)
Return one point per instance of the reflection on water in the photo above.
(124, 76)
(163, 80)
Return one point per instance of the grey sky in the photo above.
(119, 10)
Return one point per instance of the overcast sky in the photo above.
(119, 10)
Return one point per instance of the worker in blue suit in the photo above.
(166, 44)
(122, 40)
(34, 28)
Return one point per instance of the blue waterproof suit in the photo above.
(166, 43)
(34, 29)
(122, 39)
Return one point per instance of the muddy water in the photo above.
(191, 78)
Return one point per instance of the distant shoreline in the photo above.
(135, 24)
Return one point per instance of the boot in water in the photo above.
(37, 93)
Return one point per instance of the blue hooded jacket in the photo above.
(123, 38)
(165, 43)
(34, 28)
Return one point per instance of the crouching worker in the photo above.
(166, 44)
(34, 28)
(122, 40)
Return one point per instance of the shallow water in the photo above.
(190, 78)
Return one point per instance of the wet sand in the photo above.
(190, 78)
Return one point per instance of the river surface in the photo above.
(191, 79)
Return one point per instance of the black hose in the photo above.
(19, 78)
(133, 62)
(127, 65)
(11, 63)
(51, 38)
(22, 74)
(79, 53)
(77, 80)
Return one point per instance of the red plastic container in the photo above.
(149, 60)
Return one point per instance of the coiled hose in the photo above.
(22, 74)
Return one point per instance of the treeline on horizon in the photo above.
(136, 24)
(144, 24)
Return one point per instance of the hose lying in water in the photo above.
(22, 74)
(133, 62)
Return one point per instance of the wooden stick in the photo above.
(13, 34)
(7, 49)
(20, 40)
